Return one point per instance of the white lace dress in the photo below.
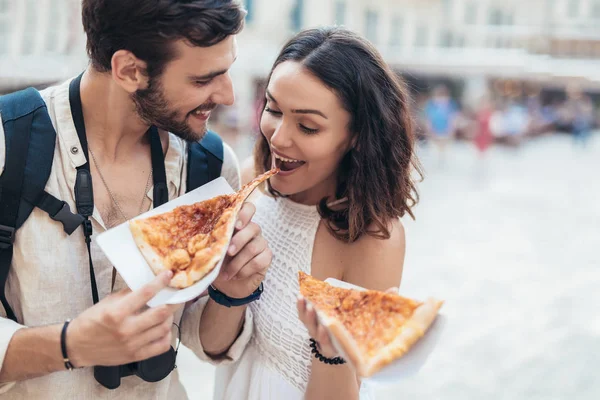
(276, 363)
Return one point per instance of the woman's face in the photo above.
(307, 130)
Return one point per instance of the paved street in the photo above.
(513, 249)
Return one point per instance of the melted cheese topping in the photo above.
(373, 318)
(181, 233)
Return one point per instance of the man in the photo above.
(441, 113)
(153, 63)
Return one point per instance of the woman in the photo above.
(336, 122)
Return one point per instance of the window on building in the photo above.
(339, 12)
(371, 25)
(573, 8)
(54, 26)
(495, 17)
(595, 9)
(31, 27)
(471, 12)
(447, 6)
(249, 5)
(4, 37)
(4, 26)
(396, 31)
(421, 36)
(446, 38)
(297, 16)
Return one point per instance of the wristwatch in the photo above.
(224, 300)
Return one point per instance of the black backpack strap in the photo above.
(58, 210)
(160, 193)
(205, 160)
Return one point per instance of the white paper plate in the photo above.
(120, 248)
(409, 364)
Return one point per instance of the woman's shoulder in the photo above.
(373, 262)
(369, 245)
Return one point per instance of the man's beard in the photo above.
(153, 109)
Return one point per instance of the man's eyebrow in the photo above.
(210, 75)
(207, 77)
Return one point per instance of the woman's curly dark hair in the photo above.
(377, 174)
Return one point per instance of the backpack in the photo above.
(30, 140)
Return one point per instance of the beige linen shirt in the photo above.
(49, 278)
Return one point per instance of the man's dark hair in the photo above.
(149, 28)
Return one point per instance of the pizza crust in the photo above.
(153, 259)
(412, 330)
(343, 338)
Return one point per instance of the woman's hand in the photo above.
(308, 316)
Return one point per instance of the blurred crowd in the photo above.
(504, 120)
(442, 118)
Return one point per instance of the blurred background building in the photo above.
(506, 48)
(41, 42)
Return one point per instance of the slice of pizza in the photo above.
(191, 240)
(372, 328)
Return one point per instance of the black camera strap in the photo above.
(84, 195)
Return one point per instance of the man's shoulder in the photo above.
(50, 92)
(46, 94)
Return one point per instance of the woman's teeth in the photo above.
(287, 164)
(287, 159)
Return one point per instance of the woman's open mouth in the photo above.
(285, 164)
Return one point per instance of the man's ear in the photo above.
(128, 71)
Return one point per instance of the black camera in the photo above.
(152, 369)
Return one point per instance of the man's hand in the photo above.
(120, 329)
(248, 258)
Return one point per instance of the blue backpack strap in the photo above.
(29, 144)
(30, 140)
(27, 131)
(205, 160)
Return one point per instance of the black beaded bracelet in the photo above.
(63, 346)
(322, 358)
